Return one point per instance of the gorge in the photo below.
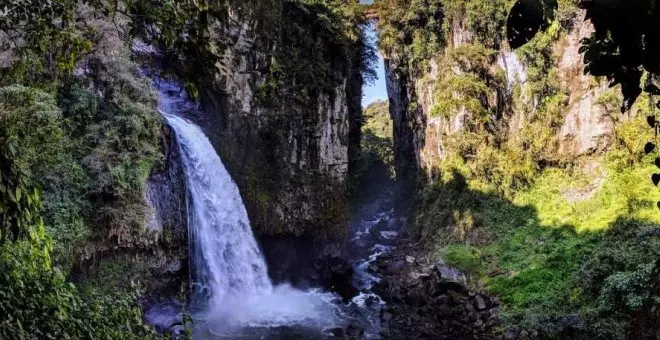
(221, 169)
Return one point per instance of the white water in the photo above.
(228, 266)
(227, 260)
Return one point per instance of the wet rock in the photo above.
(371, 301)
(394, 267)
(334, 331)
(450, 274)
(361, 243)
(354, 331)
(432, 301)
(386, 316)
(374, 268)
(336, 275)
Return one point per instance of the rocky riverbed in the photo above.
(426, 300)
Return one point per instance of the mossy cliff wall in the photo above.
(472, 84)
(284, 117)
(527, 175)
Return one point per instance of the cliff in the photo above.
(426, 116)
(286, 138)
(524, 173)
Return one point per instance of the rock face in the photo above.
(420, 138)
(166, 194)
(424, 302)
(587, 127)
(409, 121)
(291, 159)
(160, 243)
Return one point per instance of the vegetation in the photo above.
(558, 238)
(37, 301)
(376, 144)
(561, 263)
(328, 37)
(413, 29)
(80, 135)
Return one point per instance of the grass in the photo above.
(620, 192)
(542, 252)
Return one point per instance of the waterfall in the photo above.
(226, 261)
(225, 255)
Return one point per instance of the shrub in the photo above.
(37, 302)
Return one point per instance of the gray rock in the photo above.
(387, 316)
(511, 334)
(450, 274)
(394, 267)
(479, 302)
(335, 331)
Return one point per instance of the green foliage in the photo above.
(319, 43)
(35, 299)
(465, 257)
(412, 29)
(484, 19)
(573, 254)
(537, 56)
(183, 32)
(37, 302)
(377, 132)
(29, 136)
(466, 85)
(45, 40)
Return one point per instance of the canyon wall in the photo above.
(424, 128)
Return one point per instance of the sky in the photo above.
(377, 90)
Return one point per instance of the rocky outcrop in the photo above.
(420, 138)
(409, 121)
(154, 248)
(431, 301)
(587, 127)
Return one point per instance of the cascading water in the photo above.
(229, 269)
(225, 255)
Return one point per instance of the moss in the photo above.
(412, 31)
(317, 46)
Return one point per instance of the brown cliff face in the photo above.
(409, 121)
(586, 128)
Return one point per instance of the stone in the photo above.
(394, 267)
(387, 316)
(410, 259)
(354, 331)
(374, 268)
(511, 334)
(334, 331)
(450, 274)
(478, 323)
(480, 303)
